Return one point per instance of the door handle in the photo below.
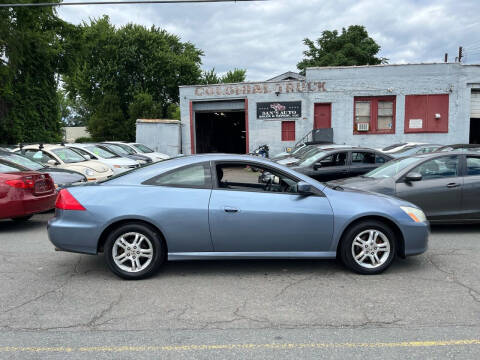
(230, 209)
(453, 185)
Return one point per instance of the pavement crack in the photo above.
(94, 320)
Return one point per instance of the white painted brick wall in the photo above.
(342, 85)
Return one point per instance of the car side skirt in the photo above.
(252, 255)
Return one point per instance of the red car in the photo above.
(24, 193)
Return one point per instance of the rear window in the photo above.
(22, 160)
(4, 168)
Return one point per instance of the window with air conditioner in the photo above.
(374, 115)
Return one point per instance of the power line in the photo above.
(47, 4)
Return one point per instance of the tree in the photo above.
(139, 68)
(31, 53)
(352, 47)
(232, 76)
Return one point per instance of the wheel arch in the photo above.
(118, 223)
(400, 240)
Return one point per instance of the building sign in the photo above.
(279, 110)
(415, 123)
(261, 88)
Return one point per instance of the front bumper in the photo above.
(415, 237)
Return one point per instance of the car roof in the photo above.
(440, 154)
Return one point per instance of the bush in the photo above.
(84, 139)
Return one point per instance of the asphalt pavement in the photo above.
(58, 305)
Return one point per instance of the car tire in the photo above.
(368, 247)
(134, 251)
(22, 218)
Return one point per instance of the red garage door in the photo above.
(426, 113)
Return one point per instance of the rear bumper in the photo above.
(74, 231)
(416, 238)
(29, 206)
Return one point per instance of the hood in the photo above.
(379, 185)
(94, 165)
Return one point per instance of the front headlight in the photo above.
(417, 215)
(89, 172)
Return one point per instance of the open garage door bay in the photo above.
(219, 127)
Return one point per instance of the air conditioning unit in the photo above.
(362, 126)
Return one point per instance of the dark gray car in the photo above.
(340, 162)
(445, 185)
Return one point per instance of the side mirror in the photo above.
(317, 166)
(88, 157)
(413, 176)
(52, 162)
(304, 188)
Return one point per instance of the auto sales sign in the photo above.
(279, 110)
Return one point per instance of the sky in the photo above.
(266, 37)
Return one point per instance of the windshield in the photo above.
(143, 148)
(68, 156)
(122, 149)
(390, 147)
(101, 152)
(391, 168)
(405, 149)
(313, 158)
(22, 160)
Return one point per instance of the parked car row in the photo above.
(30, 174)
(442, 180)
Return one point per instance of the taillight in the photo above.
(23, 183)
(66, 201)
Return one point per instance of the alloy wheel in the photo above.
(132, 252)
(371, 248)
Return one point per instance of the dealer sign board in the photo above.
(279, 110)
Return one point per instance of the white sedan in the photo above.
(118, 163)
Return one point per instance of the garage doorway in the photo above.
(220, 132)
(474, 131)
(220, 127)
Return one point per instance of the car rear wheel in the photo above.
(368, 247)
(22, 218)
(134, 251)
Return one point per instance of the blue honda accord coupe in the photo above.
(214, 206)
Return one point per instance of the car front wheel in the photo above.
(134, 251)
(368, 247)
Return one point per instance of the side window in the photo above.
(245, 177)
(192, 176)
(438, 168)
(337, 159)
(38, 155)
(379, 159)
(473, 165)
(363, 157)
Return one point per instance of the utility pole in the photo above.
(460, 53)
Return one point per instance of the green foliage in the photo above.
(173, 112)
(232, 76)
(32, 52)
(352, 47)
(235, 76)
(84, 139)
(138, 69)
